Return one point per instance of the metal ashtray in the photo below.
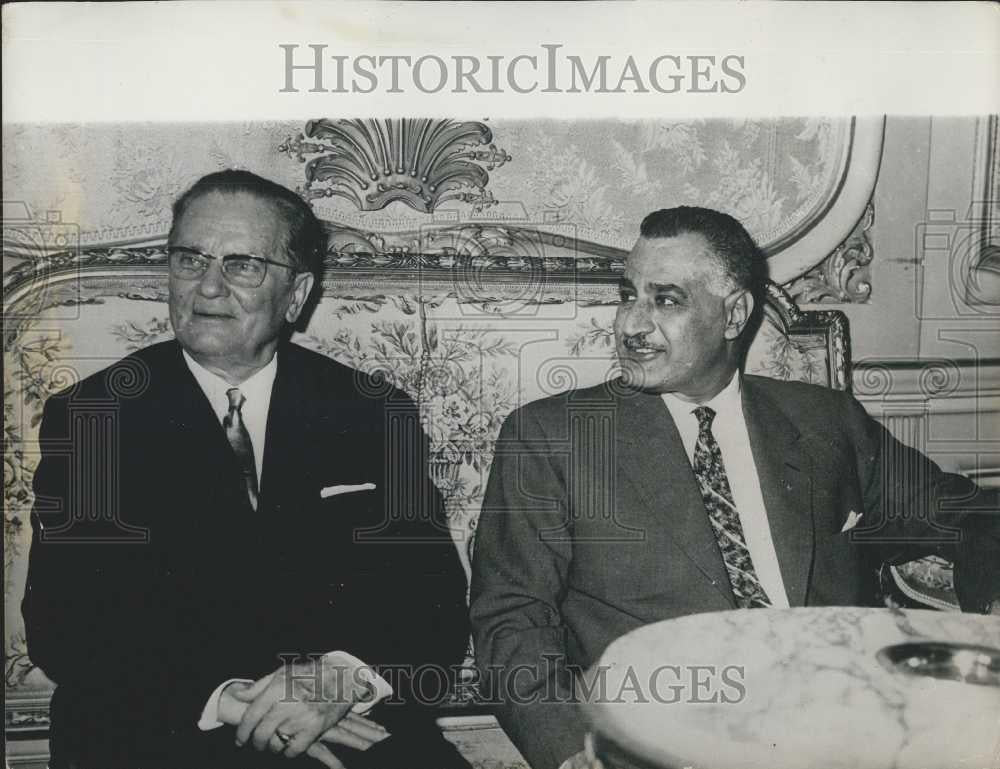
(949, 661)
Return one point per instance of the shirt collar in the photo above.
(727, 404)
(256, 389)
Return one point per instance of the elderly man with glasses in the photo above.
(237, 560)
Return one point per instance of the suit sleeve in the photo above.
(916, 509)
(87, 592)
(518, 582)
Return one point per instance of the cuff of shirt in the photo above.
(380, 690)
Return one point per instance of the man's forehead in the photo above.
(682, 259)
(217, 204)
(236, 217)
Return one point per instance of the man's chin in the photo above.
(205, 344)
(636, 376)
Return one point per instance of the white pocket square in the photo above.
(332, 491)
(852, 521)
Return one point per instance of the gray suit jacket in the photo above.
(593, 525)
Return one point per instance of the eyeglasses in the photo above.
(238, 269)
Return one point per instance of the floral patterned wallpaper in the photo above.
(116, 181)
(604, 177)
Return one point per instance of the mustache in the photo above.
(638, 341)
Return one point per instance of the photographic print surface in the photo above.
(475, 247)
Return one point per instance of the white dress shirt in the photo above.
(730, 430)
(257, 391)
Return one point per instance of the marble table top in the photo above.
(792, 688)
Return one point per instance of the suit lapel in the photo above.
(301, 425)
(195, 485)
(191, 415)
(288, 428)
(785, 473)
(653, 459)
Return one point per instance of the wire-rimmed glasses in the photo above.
(243, 270)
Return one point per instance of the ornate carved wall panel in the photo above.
(845, 275)
(799, 185)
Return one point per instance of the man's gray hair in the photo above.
(304, 238)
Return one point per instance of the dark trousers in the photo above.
(419, 745)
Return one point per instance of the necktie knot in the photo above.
(236, 399)
(704, 415)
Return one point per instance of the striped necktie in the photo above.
(718, 497)
(239, 439)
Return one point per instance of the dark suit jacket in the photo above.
(593, 525)
(154, 580)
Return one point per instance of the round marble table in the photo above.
(829, 688)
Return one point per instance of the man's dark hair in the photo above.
(304, 238)
(742, 261)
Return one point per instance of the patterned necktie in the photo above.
(239, 439)
(718, 497)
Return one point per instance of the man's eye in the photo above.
(244, 266)
(666, 300)
(626, 296)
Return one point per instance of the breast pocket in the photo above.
(350, 510)
(343, 489)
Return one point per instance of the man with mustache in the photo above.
(290, 537)
(689, 487)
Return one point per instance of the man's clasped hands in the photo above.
(300, 707)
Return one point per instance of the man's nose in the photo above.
(636, 320)
(212, 282)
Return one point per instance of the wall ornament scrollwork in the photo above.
(421, 162)
(844, 277)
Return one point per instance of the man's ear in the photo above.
(739, 307)
(301, 287)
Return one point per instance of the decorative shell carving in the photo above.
(421, 162)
